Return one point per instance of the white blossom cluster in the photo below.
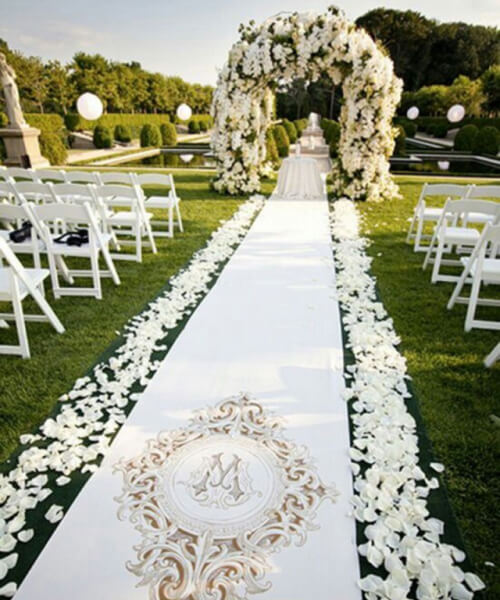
(95, 408)
(307, 46)
(391, 489)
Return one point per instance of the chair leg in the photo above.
(19, 317)
(96, 278)
(471, 308)
(171, 221)
(53, 275)
(458, 288)
(410, 230)
(493, 356)
(437, 261)
(149, 232)
(111, 266)
(138, 242)
(418, 236)
(179, 218)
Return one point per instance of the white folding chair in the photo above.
(134, 222)
(7, 192)
(77, 215)
(423, 214)
(17, 173)
(14, 215)
(480, 267)
(16, 283)
(44, 175)
(168, 202)
(452, 231)
(493, 356)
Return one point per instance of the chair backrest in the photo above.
(6, 190)
(78, 192)
(28, 190)
(4, 174)
(117, 177)
(466, 206)
(484, 191)
(14, 263)
(450, 190)
(108, 192)
(13, 212)
(83, 177)
(43, 175)
(20, 173)
(153, 179)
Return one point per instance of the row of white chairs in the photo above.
(468, 227)
(54, 208)
(168, 202)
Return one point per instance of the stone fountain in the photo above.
(312, 144)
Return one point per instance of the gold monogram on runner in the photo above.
(214, 500)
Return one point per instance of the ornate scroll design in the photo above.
(212, 501)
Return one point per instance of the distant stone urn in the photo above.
(21, 140)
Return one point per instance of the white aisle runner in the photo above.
(269, 327)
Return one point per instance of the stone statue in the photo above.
(313, 121)
(11, 94)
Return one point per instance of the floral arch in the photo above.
(306, 46)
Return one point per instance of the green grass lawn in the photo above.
(457, 393)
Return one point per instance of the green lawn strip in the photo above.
(30, 388)
(456, 393)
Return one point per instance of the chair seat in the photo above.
(21, 247)
(460, 235)
(36, 276)
(431, 214)
(491, 269)
(126, 217)
(83, 250)
(161, 202)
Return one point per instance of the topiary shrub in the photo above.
(281, 139)
(465, 138)
(150, 136)
(333, 138)
(410, 128)
(300, 125)
(102, 137)
(487, 141)
(52, 147)
(203, 125)
(168, 134)
(4, 121)
(400, 146)
(123, 133)
(291, 130)
(194, 126)
(271, 148)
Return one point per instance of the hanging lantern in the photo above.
(184, 112)
(456, 113)
(412, 113)
(89, 106)
(186, 158)
(444, 165)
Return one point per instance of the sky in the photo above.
(190, 38)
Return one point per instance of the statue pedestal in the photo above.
(20, 143)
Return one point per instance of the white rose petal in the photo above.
(54, 514)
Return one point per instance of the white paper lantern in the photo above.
(412, 113)
(444, 165)
(456, 113)
(186, 157)
(184, 112)
(89, 106)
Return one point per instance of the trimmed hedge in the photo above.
(331, 131)
(194, 126)
(4, 121)
(300, 125)
(271, 148)
(291, 130)
(465, 138)
(281, 139)
(487, 141)
(205, 121)
(102, 137)
(150, 136)
(400, 142)
(168, 134)
(53, 136)
(122, 133)
(135, 121)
